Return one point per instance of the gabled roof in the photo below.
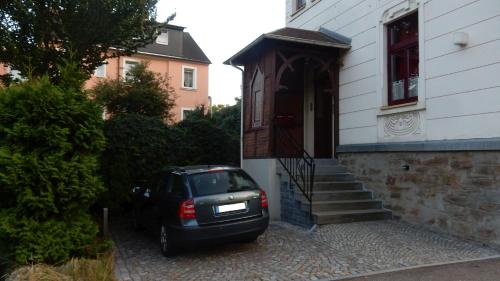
(323, 37)
(179, 47)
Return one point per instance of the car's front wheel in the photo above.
(167, 247)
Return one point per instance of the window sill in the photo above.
(392, 109)
(188, 89)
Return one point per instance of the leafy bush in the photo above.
(228, 118)
(142, 92)
(140, 144)
(213, 139)
(50, 241)
(205, 143)
(49, 139)
(138, 148)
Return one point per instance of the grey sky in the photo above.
(222, 28)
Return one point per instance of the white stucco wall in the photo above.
(459, 88)
(263, 171)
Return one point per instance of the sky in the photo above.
(222, 28)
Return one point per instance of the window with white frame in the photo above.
(162, 38)
(185, 112)
(100, 71)
(299, 4)
(188, 77)
(127, 66)
(403, 60)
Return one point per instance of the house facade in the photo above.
(405, 94)
(176, 56)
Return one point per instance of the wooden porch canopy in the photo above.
(271, 60)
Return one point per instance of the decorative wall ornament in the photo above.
(403, 124)
(399, 10)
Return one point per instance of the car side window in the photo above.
(176, 185)
(164, 184)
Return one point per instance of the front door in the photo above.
(290, 123)
(322, 117)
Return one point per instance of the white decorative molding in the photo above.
(402, 124)
(399, 10)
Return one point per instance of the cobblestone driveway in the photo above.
(285, 252)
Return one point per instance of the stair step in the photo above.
(334, 177)
(329, 169)
(325, 161)
(342, 205)
(337, 195)
(337, 185)
(326, 217)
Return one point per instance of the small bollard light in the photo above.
(105, 222)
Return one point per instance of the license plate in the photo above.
(230, 207)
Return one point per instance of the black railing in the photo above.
(297, 162)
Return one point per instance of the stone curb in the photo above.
(122, 271)
(410, 267)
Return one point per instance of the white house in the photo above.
(413, 91)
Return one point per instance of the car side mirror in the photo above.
(147, 193)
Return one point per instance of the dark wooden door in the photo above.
(322, 118)
(289, 120)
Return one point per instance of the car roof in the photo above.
(202, 169)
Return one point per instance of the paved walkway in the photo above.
(486, 270)
(285, 252)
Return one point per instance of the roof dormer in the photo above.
(162, 38)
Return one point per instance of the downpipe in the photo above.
(241, 112)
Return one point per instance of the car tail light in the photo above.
(263, 200)
(186, 210)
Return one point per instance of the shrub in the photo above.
(205, 143)
(143, 92)
(49, 141)
(228, 117)
(50, 241)
(138, 147)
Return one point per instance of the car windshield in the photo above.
(223, 181)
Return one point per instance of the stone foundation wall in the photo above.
(291, 210)
(453, 192)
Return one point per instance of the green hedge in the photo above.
(49, 141)
(138, 147)
(205, 143)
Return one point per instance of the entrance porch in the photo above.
(290, 93)
(290, 120)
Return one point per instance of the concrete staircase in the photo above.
(339, 197)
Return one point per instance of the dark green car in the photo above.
(193, 205)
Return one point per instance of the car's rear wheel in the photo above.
(167, 247)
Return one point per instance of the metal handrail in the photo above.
(297, 163)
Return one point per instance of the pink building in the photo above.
(175, 55)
